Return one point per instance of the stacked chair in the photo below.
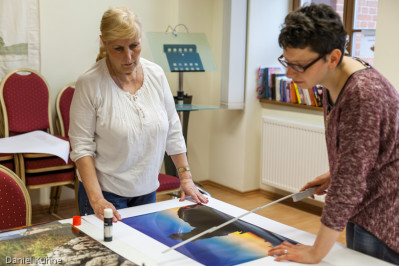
(62, 106)
(25, 101)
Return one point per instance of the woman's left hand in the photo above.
(188, 188)
(298, 253)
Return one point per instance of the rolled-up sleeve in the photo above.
(82, 122)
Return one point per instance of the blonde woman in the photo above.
(123, 118)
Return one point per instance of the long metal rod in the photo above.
(210, 230)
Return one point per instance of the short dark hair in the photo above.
(316, 26)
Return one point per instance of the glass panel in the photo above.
(363, 45)
(157, 40)
(338, 5)
(194, 107)
(364, 25)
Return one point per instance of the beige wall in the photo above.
(386, 57)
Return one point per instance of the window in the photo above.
(360, 21)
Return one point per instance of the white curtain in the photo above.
(19, 35)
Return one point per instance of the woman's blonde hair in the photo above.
(118, 23)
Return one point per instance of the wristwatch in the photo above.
(183, 169)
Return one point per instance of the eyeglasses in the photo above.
(295, 67)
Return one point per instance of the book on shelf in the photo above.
(279, 87)
(275, 85)
(301, 96)
(293, 89)
(312, 98)
(270, 80)
(260, 89)
(306, 96)
(284, 89)
(318, 93)
(298, 96)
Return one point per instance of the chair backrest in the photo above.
(25, 100)
(15, 204)
(63, 105)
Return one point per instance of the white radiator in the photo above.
(293, 152)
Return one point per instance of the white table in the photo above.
(142, 249)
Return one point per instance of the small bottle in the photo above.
(108, 217)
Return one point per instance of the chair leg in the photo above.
(52, 199)
(57, 198)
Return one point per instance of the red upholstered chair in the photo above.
(25, 100)
(168, 184)
(15, 204)
(62, 106)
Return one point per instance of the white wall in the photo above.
(386, 55)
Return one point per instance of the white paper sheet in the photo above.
(36, 142)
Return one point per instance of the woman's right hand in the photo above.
(323, 181)
(100, 205)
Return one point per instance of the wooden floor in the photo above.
(303, 217)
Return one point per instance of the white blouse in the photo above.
(126, 134)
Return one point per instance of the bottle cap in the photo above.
(108, 213)
(76, 220)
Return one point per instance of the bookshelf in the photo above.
(295, 105)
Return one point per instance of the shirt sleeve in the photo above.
(82, 122)
(175, 143)
(356, 140)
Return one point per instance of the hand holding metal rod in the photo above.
(295, 197)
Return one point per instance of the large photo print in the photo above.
(233, 244)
